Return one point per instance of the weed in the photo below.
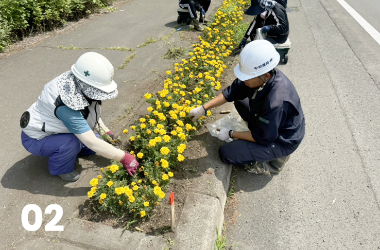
(71, 47)
(231, 188)
(221, 241)
(119, 48)
(175, 53)
(129, 224)
(127, 61)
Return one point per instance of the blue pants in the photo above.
(241, 152)
(62, 150)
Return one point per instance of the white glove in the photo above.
(224, 134)
(196, 113)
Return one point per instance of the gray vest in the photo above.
(40, 120)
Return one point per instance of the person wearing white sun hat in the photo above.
(266, 99)
(61, 123)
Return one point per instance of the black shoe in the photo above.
(72, 176)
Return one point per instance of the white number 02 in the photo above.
(51, 226)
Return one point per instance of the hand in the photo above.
(196, 113)
(224, 134)
(113, 137)
(130, 164)
(243, 43)
(265, 29)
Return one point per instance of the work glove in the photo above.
(243, 43)
(196, 113)
(113, 137)
(224, 134)
(130, 164)
(265, 29)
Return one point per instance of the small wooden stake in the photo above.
(171, 201)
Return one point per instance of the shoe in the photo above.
(275, 166)
(72, 176)
(196, 24)
(259, 169)
(203, 20)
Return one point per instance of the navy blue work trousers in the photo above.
(241, 152)
(62, 150)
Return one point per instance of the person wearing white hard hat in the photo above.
(271, 17)
(61, 123)
(267, 100)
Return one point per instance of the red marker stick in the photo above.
(171, 202)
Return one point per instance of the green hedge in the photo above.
(18, 18)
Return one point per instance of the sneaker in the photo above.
(275, 166)
(259, 169)
(72, 176)
(196, 24)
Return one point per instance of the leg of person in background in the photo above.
(62, 150)
(205, 4)
(191, 6)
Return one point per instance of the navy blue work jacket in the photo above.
(275, 114)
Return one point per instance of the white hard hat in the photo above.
(256, 59)
(94, 69)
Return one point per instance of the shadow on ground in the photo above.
(32, 175)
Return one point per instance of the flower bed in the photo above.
(159, 138)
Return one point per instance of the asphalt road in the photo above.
(328, 195)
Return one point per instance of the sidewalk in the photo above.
(25, 179)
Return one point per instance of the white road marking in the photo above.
(368, 27)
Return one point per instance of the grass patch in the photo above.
(149, 40)
(231, 188)
(119, 48)
(221, 241)
(127, 61)
(71, 47)
(175, 53)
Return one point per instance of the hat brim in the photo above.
(97, 94)
(254, 10)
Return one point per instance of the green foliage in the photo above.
(21, 17)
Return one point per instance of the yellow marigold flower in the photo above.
(94, 182)
(90, 194)
(101, 202)
(188, 127)
(133, 183)
(125, 131)
(146, 204)
(93, 189)
(162, 132)
(147, 96)
(166, 138)
(121, 203)
(179, 129)
(168, 72)
(135, 188)
(152, 143)
(160, 126)
(173, 132)
(182, 114)
(154, 183)
(156, 131)
(139, 181)
(100, 177)
(164, 150)
(103, 196)
(132, 152)
(114, 168)
(110, 183)
(142, 214)
(146, 173)
(181, 149)
(165, 177)
(209, 113)
(142, 125)
(170, 174)
(131, 199)
(152, 122)
(156, 190)
(150, 109)
(119, 190)
(180, 158)
(101, 169)
(175, 105)
(140, 155)
(133, 127)
(158, 139)
(128, 191)
(148, 131)
(164, 163)
(132, 138)
(182, 136)
(161, 195)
